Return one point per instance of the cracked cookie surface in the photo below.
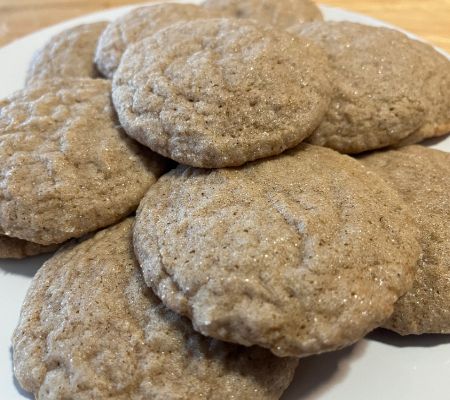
(69, 54)
(67, 168)
(388, 89)
(301, 253)
(136, 25)
(422, 178)
(221, 92)
(279, 13)
(91, 329)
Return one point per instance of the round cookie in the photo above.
(69, 54)
(436, 91)
(301, 253)
(17, 248)
(280, 13)
(422, 177)
(221, 92)
(67, 168)
(136, 25)
(91, 329)
(388, 89)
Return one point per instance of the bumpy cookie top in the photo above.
(90, 328)
(221, 92)
(66, 166)
(422, 177)
(69, 54)
(136, 25)
(281, 13)
(387, 88)
(18, 248)
(302, 253)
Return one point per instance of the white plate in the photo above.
(382, 366)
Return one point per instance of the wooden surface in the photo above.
(427, 18)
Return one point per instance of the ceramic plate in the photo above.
(382, 366)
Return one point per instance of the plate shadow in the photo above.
(26, 267)
(393, 339)
(315, 374)
(434, 141)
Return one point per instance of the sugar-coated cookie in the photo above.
(66, 166)
(388, 89)
(136, 25)
(91, 329)
(69, 54)
(301, 253)
(279, 13)
(17, 248)
(422, 177)
(220, 92)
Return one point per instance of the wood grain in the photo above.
(427, 18)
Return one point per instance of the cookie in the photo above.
(221, 92)
(279, 13)
(66, 166)
(136, 25)
(91, 329)
(69, 54)
(17, 248)
(301, 253)
(388, 89)
(422, 177)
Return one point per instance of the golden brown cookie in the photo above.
(69, 54)
(422, 177)
(279, 13)
(66, 166)
(91, 329)
(388, 89)
(221, 92)
(301, 253)
(136, 25)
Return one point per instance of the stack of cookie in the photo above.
(265, 244)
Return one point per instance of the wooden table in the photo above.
(427, 18)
